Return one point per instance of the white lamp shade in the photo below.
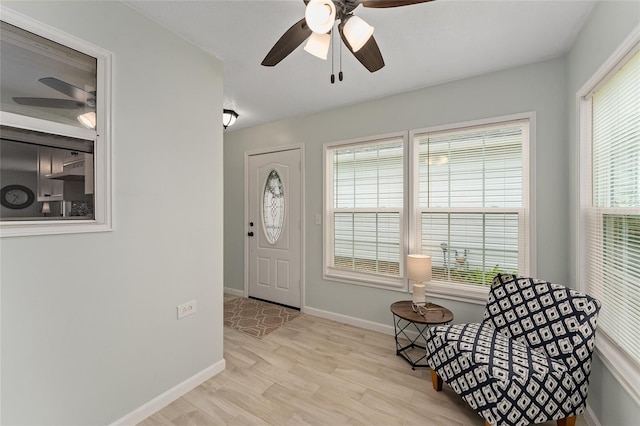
(318, 45)
(88, 119)
(419, 267)
(320, 15)
(46, 207)
(357, 32)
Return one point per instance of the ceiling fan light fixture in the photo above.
(318, 45)
(88, 119)
(357, 32)
(320, 15)
(229, 117)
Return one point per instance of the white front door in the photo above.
(274, 227)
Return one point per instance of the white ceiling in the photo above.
(422, 45)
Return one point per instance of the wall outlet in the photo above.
(318, 219)
(187, 309)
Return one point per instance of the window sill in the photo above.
(363, 279)
(22, 229)
(476, 295)
(620, 365)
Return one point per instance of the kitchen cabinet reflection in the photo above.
(58, 170)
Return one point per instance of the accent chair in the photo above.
(529, 359)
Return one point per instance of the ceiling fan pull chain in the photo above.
(333, 76)
(340, 73)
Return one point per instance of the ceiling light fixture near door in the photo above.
(229, 117)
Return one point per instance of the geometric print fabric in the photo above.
(528, 361)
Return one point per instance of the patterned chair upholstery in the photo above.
(528, 361)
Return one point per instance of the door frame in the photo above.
(271, 150)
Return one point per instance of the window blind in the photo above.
(369, 175)
(480, 167)
(472, 191)
(613, 217)
(368, 198)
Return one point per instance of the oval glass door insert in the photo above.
(273, 207)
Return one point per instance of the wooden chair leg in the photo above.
(436, 381)
(486, 423)
(567, 421)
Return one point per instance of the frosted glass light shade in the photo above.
(419, 267)
(320, 15)
(46, 207)
(88, 119)
(318, 45)
(357, 32)
(229, 117)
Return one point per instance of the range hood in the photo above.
(76, 173)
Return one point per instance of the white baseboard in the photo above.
(357, 322)
(161, 401)
(234, 292)
(590, 417)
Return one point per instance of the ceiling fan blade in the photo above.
(289, 41)
(390, 3)
(66, 88)
(369, 55)
(50, 103)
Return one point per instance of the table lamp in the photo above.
(419, 271)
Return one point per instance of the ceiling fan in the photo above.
(82, 100)
(320, 16)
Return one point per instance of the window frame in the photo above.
(617, 361)
(101, 136)
(409, 217)
(355, 277)
(469, 293)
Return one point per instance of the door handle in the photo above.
(250, 233)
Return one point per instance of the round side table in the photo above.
(406, 319)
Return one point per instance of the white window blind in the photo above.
(366, 207)
(472, 201)
(613, 214)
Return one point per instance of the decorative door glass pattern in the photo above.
(273, 207)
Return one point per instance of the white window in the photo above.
(471, 203)
(364, 211)
(609, 236)
(55, 162)
(468, 193)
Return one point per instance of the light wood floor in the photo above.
(314, 371)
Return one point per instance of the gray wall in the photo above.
(608, 25)
(539, 87)
(88, 321)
